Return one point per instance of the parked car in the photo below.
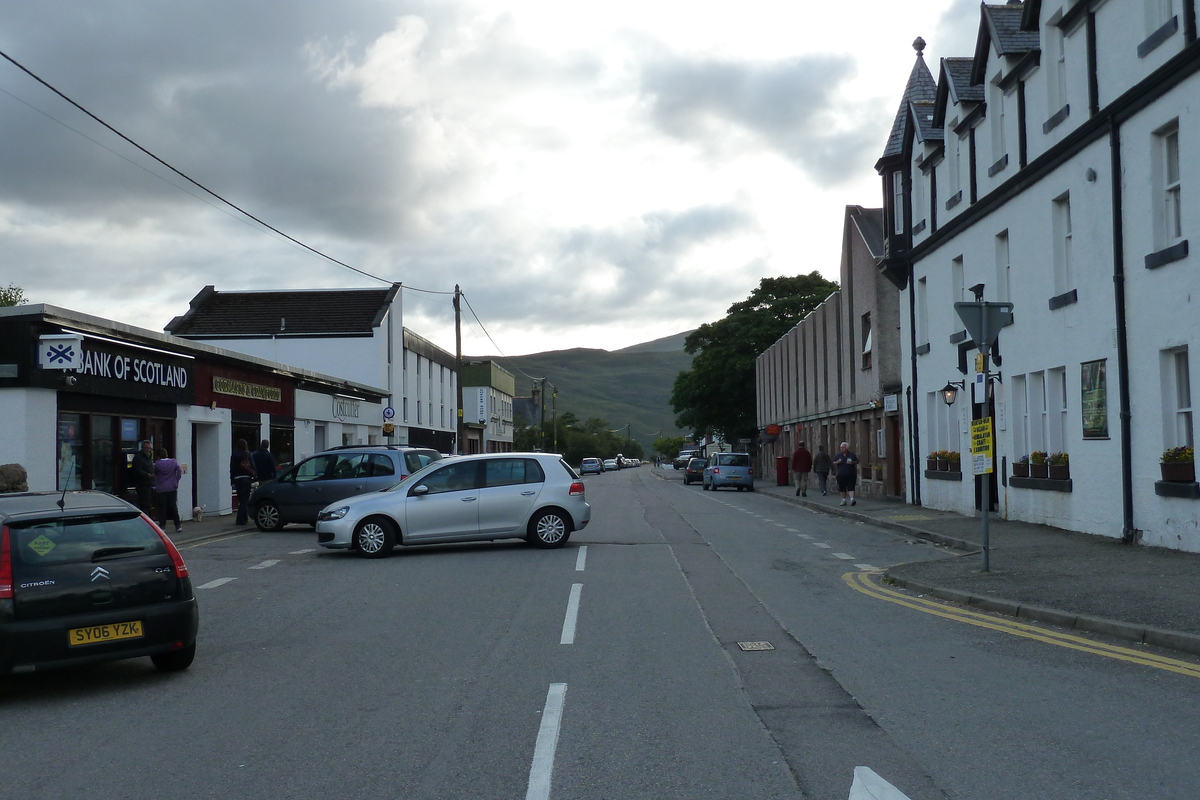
(303, 490)
(87, 577)
(729, 469)
(681, 460)
(534, 496)
(694, 470)
(593, 465)
(610, 463)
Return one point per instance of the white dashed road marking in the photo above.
(581, 559)
(865, 566)
(302, 552)
(270, 562)
(547, 742)
(568, 629)
(844, 556)
(822, 544)
(216, 583)
(803, 535)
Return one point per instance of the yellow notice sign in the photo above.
(981, 446)
(41, 545)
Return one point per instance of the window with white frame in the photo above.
(1168, 221)
(1056, 410)
(1020, 417)
(955, 180)
(1063, 272)
(922, 312)
(420, 420)
(996, 110)
(1057, 77)
(1158, 13)
(866, 339)
(898, 202)
(918, 196)
(957, 280)
(1036, 403)
(1177, 399)
(1003, 267)
(932, 401)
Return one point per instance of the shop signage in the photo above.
(134, 368)
(345, 407)
(252, 391)
(891, 403)
(60, 351)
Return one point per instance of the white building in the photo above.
(1052, 170)
(356, 333)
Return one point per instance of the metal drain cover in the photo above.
(756, 645)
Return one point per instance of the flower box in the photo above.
(1178, 471)
(1020, 470)
(1039, 470)
(943, 465)
(1059, 472)
(931, 464)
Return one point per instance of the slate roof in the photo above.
(922, 114)
(869, 222)
(921, 87)
(309, 312)
(1000, 27)
(954, 86)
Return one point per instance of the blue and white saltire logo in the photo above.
(60, 351)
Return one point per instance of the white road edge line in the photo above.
(581, 559)
(270, 562)
(547, 741)
(568, 630)
(216, 583)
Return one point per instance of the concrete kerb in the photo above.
(1184, 642)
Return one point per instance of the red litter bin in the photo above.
(781, 471)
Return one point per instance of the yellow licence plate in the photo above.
(96, 634)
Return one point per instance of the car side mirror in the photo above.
(418, 491)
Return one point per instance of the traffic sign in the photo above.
(389, 412)
(983, 321)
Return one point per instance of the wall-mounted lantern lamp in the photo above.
(950, 391)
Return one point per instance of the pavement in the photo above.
(1064, 578)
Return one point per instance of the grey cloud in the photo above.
(793, 106)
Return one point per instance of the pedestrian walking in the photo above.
(846, 463)
(264, 463)
(143, 476)
(822, 465)
(167, 473)
(802, 464)
(241, 472)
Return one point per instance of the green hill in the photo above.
(630, 386)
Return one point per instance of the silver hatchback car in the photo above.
(534, 496)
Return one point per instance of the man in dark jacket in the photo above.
(802, 462)
(264, 463)
(143, 476)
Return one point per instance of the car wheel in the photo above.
(374, 538)
(268, 517)
(549, 529)
(176, 660)
(705, 486)
(749, 488)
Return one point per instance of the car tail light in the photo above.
(716, 470)
(181, 570)
(752, 472)
(576, 488)
(6, 572)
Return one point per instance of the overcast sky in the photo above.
(592, 175)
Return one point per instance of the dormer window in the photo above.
(898, 202)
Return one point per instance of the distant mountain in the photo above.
(628, 386)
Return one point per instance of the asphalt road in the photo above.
(607, 669)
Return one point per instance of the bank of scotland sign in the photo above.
(60, 351)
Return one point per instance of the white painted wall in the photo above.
(29, 434)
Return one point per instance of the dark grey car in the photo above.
(304, 489)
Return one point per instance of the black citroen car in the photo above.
(87, 577)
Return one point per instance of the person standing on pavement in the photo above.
(143, 476)
(802, 463)
(264, 462)
(241, 472)
(822, 465)
(166, 489)
(846, 464)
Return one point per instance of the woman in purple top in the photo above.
(166, 486)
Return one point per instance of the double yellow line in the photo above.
(862, 582)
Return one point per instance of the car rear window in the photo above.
(733, 460)
(416, 459)
(76, 539)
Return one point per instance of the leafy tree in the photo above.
(12, 296)
(668, 446)
(717, 394)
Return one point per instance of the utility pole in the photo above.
(542, 426)
(458, 416)
(554, 403)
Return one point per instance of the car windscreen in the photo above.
(79, 539)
